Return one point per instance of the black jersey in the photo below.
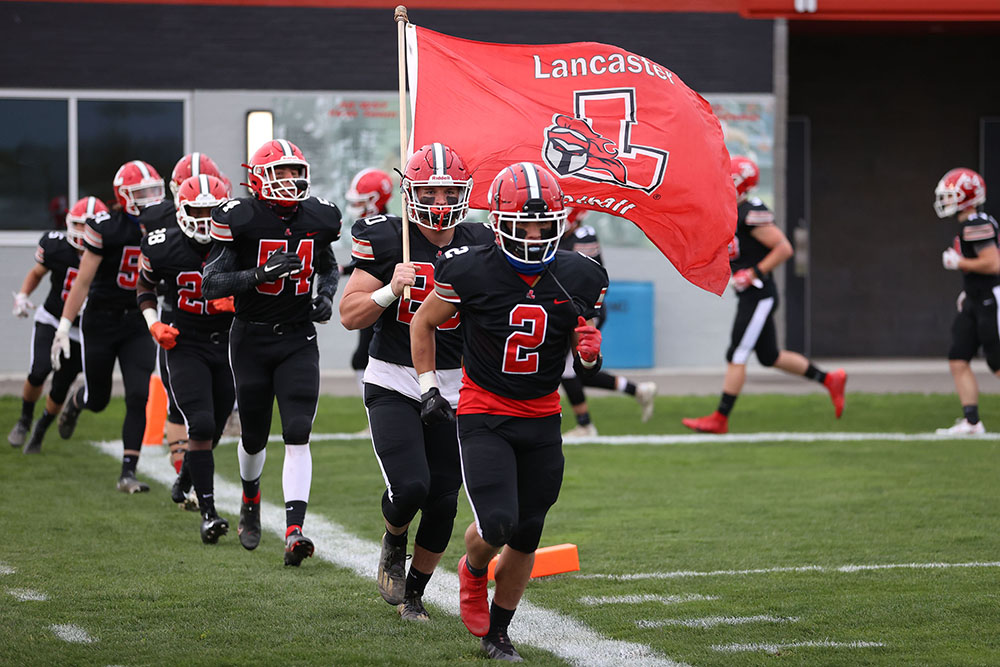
(744, 250)
(255, 231)
(377, 247)
(170, 256)
(159, 216)
(583, 239)
(116, 237)
(517, 336)
(978, 232)
(62, 260)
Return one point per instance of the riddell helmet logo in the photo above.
(595, 144)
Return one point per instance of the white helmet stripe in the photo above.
(142, 167)
(438, 159)
(286, 148)
(196, 164)
(203, 187)
(91, 205)
(531, 174)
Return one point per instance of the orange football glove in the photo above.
(164, 334)
(223, 305)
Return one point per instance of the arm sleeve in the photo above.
(327, 273)
(220, 276)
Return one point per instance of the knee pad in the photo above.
(134, 401)
(497, 528)
(528, 534)
(993, 358)
(297, 430)
(36, 379)
(406, 501)
(767, 357)
(201, 425)
(58, 390)
(437, 519)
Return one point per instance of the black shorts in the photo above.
(753, 329)
(41, 362)
(513, 470)
(977, 326)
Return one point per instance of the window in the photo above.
(34, 163)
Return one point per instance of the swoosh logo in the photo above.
(310, 337)
(268, 269)
(311, 233)
(558, 302)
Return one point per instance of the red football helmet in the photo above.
(957, 190)
(137, 185)
(264, 182)
(370, 191)
(77, 216)
(436, 165)
(196, 197)
(526, 193)
(192, 164)
(745, 173)
(574, 218)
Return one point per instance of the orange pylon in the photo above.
(156, 412)
(548, 560)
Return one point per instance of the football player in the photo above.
(583, 239)
(758, 248)
(270, 250)
(111, 325)
(58, 254)
(960, 193)
(524, 304)
(196, 342)
(419, 462)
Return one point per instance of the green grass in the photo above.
(133, 573)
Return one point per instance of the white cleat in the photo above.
(588, 431)
(645, 393)
(963, 427)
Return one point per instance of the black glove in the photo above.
(278, 265)
(434, 409)
(322, 309)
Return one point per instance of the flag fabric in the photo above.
(623, 134)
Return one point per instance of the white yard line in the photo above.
(681, 574)
(713, 621)
(72, 633)
(557, 633)
(777, 648)
(6, 569)
(27, 595)
(640, 599)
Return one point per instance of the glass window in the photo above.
(113, 132)
(34, 163)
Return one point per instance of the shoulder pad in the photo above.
(374, 233)
(230, 216)
(978, 230)
(758, 214)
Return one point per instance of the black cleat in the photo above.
(34, 444)
(127, 483)
(213, 527)
(298, 547)
(412, 608)
(498, 647)
(68, 417)
(391, 576)
(181, 492)
(18, 434)
(249, 526)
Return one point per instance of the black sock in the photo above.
(295, 513)
(726, 403)
(251, 489)
(43, 423)
(971, 413)
(27, 412)
(416, 581)
(77, 398)
(200, 465)
(475, 571)
(814, 373)
(584, 419)
(499, 619)
(630, 388)
(396, 540)
(129, 462)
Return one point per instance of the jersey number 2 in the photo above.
(516, 359)
(268, 247)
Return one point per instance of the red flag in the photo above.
(623, 134)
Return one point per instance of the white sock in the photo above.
(251, 465)
(621, 382)
(296, 475)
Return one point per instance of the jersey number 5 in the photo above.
(534, 319)
(302, 279)
(128, 270)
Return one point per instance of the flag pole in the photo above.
(401, 21)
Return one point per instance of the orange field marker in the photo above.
(156, 412)
(549, 560)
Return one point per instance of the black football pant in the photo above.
(513, 470)
(419, 464)
(978, 324)
(174, 415)
(41, 363)
(753, 329)
(280, 361)
(202, 383)
(110, 334)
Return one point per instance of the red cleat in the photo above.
(473, 606)
(713, 423)
(836, 381)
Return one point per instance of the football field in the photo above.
(796, 539)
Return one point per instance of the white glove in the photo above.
(960, 301)
(949, 259)
(22, 306)
(60, 343)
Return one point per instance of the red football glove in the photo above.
(744, 278)
(223, 305)
(588, 342)
(164, 334)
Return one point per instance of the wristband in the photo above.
(427, 381)
(150, 315)
(384, 296)
(589, 364)
(64, 325)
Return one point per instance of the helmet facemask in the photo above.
(75, 228)
(195, 219)
(286, 189)
(424, 209)
(512, 230)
